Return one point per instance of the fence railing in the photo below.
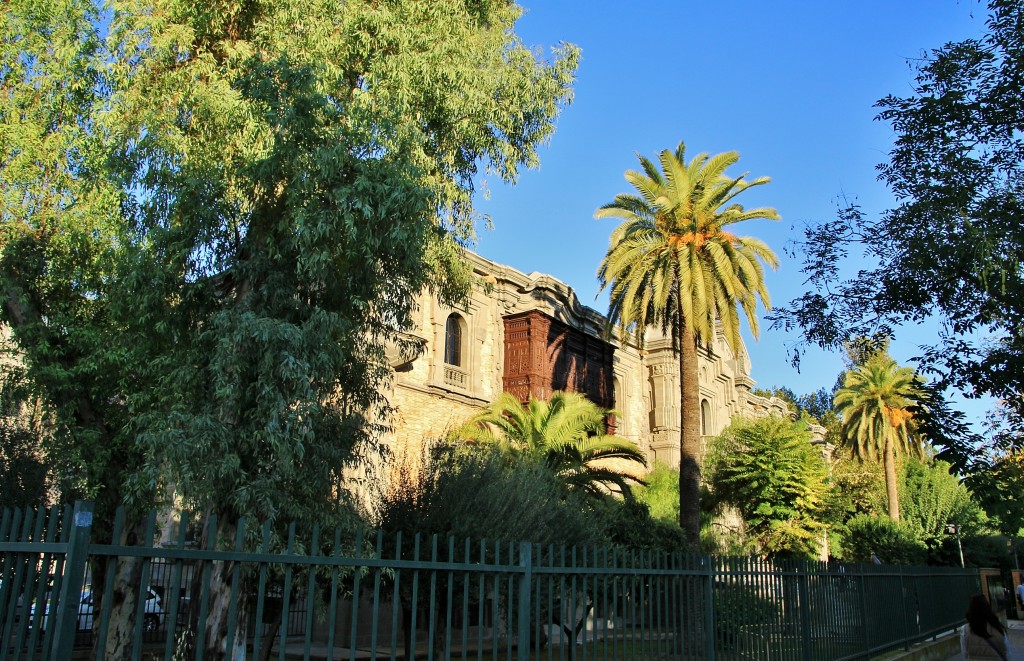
(372, 595)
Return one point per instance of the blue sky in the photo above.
(789, 85)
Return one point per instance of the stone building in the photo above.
(530, 335)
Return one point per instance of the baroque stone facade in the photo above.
(529, 334)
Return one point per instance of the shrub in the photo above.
(892, 543)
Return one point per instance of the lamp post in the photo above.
(954, 529)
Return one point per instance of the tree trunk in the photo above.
(689, 441)
(891, 493)
(123, 599)
(219, 586)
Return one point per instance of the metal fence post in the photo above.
(709, 608)
(65, 618)
(905, 611)
(525, 580)
(804, 597)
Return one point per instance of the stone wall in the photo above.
(432, 397)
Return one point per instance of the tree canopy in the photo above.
(953, 247)
(769, 470)
(214, 216)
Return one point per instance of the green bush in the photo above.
(892, 543)
(482, 495)
(631, 525)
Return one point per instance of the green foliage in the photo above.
(672, 264)
(480, 495)
(939, 499)
(994, 471)
(891, 541)
(28, 475)
(780, 392)
(567, 433)
(630, 524)
(776, 479)
(954, 245)
(215, 217)
(817, 406)
(856, 487)
(25, 478)
(660, 493)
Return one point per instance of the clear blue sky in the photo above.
(789, 85)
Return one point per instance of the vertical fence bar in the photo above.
(396, 597)
(510, 605)
(377, 576)
(357, 574)
(864, 610)
(65, 620)
(561, 602)
(232, 604)
(12, 586)
(466, 576)
(332, 607)
(708, 563)
(804, 597)
(314, 546)
(411, 643)
(108, 585)
(56, 530)
(481, 610)
(286, 595)
(261, 589)
(523, 619)
(537, 632)
(56, 570)
(172, 614)
(449, 599)
(40, 521)
(432, 603)
(142, 588)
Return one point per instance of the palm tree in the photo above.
(567, 433)
(671, 263)
(875, 403)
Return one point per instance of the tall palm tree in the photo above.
(567, 433)
(672, 263)
(875, 403)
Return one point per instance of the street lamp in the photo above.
(954, 529)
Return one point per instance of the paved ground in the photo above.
(1016, 636)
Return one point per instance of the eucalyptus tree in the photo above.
(876, 405)
(215, 214)
(567, 433)
(673, 263)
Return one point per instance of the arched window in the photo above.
(453, 340)
(705, 417)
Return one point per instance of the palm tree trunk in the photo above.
(891, 493)
(689, 442)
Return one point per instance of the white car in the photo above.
(153, 611)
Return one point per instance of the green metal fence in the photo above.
(376, 596)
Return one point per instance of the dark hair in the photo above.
(980, 616)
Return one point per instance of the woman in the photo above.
(984, 636)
